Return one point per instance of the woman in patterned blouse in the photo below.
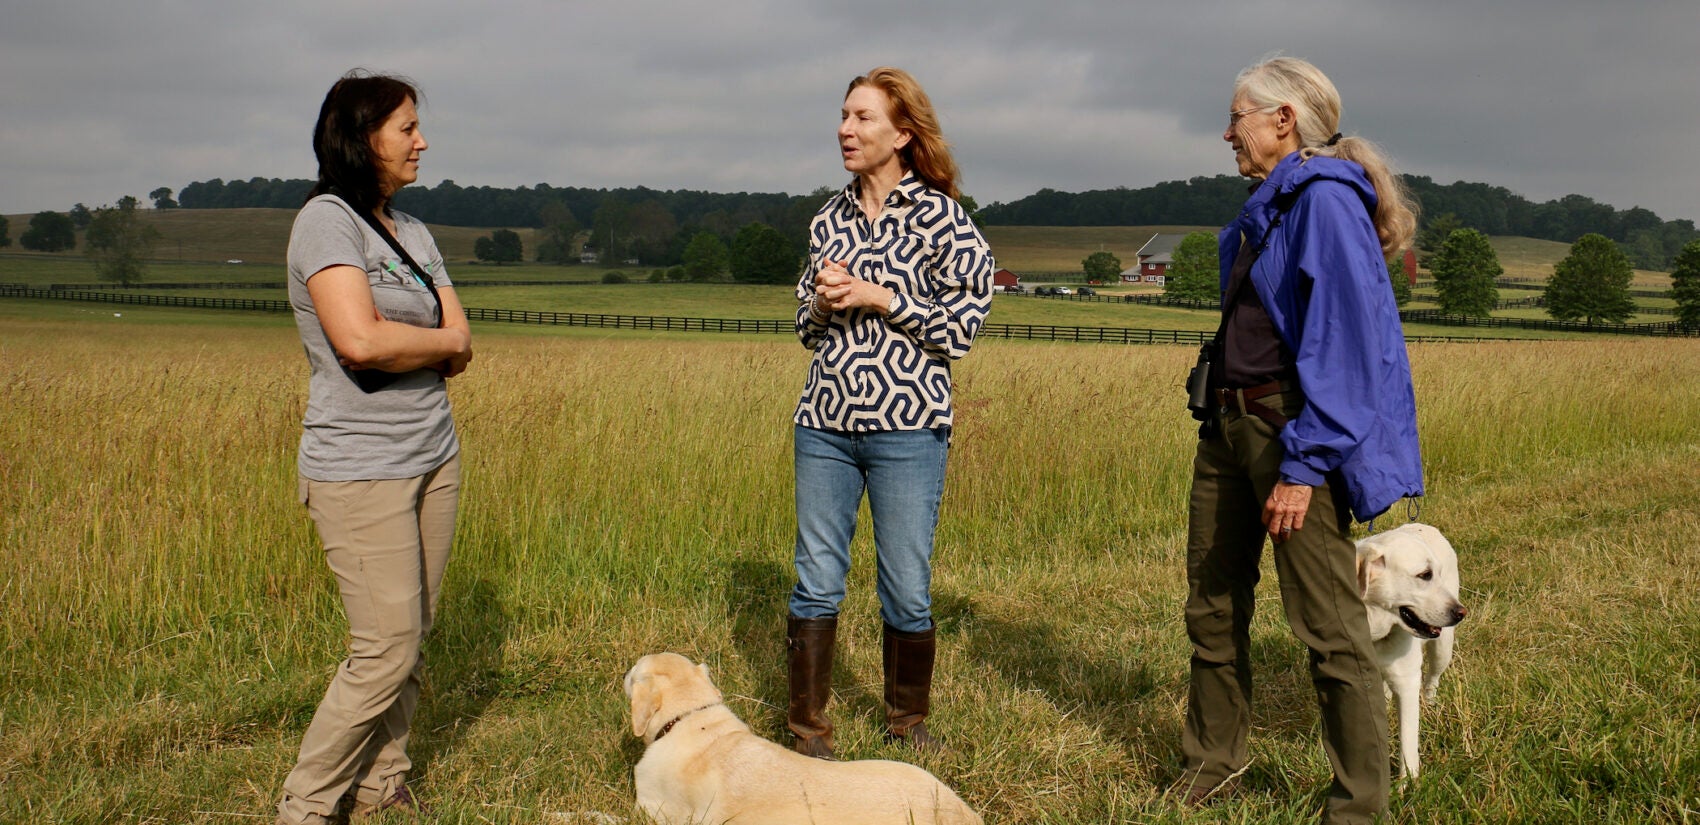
(897, 284)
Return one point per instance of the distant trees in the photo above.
(558, 241)
(80, 215)
(1103, 267)
(971, 206)
(761, 255)
(1434, 235)
(258, 193)
(1465, 268)
(1493, 210)
(655, 226)
(5, 232)
(1591, 283)
(1195, 272)
(119, 242)
(49, 231)
(706, 257)
(161, 198)
(1200, 201)
(1400, 283)
(1685, 285)
(499, 247)
(625, 231)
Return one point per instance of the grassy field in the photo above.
(1062, 248)
(254, 236)
(1531, 258)
(169, 625)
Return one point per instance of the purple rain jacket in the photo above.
(1324, 283)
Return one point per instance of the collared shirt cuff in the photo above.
(906, 313)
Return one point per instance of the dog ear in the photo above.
(703, 669)
(1370, 566)
(646, 702)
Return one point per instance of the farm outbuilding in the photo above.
(1154, 259)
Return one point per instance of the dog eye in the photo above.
(1426, 575)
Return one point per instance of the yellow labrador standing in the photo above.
(1408, 579)
(702, 766)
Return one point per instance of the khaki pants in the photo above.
(387, 542)
(1233, 474)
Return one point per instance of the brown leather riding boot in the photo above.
(808, 659)
(908, 661)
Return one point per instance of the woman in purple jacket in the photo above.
(1312, 423)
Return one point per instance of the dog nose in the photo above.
(1458, 613)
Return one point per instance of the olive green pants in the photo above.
(1233, 474)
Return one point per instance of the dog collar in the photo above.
(665, 729)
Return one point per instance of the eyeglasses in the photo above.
(1234, 117)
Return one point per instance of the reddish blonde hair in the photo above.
(926, 154)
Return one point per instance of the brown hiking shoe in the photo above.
(402, 800)
(1188, 792)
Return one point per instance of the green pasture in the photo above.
(261, 236)
(168, 624)
(1533, 258)
(197, 246)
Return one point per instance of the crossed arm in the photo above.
(364, 340)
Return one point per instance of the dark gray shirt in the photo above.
(1252, 352)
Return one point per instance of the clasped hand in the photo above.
(836, 290)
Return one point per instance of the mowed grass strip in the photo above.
(169, 624)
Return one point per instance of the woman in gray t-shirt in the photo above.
(379, 461)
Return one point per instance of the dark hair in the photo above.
(356, 106)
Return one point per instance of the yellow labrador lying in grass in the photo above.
(702, 766)
(1408, 579)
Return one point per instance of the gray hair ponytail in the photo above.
(1281, 80)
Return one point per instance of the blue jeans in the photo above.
(902, 472)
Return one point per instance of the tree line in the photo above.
(654, 226)
(115, 238)
(1650, 241)
(631, 226)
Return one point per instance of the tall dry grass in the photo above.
(168, 626)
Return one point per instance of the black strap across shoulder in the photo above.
(423, 274)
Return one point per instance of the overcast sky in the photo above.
(1543, 97)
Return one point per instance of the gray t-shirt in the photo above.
(401, 430)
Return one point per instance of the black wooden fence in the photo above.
(461, 282)
(1435, 316)
(1026, 332)
(1527, 283)
(175, 285)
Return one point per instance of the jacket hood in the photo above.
(1295, 172)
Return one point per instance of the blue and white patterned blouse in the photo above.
(872, 372)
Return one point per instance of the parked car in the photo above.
(1062, 290)
(1043, 290)
(1015, 288)
(1086, 290)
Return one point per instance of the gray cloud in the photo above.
(1544, 97)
